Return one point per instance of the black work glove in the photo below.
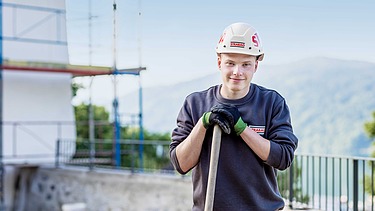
(209, 118)
(231, 113)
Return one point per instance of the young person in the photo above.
(257, 137)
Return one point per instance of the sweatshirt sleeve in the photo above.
(180, 133)
(283, 141)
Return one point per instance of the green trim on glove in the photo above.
(240, 126)
(206, 119)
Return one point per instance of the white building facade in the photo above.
(36, 106)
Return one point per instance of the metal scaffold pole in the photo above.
(117, 128)
(91, 108)
(141, 138)
(129, 71)
(2, 207)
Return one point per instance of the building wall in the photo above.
(34, 30)
(33, 103)
(37, 111)
(49, 189)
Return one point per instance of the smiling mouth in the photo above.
(236, 79)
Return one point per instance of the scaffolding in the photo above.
(57, 67)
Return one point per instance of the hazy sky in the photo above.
(178, 38)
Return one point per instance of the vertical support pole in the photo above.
(333, 183)
(347, 184)
(117, 133)
(115, 101)
(363, 184)
(2, 207)
(340, 183)
(59, 130)
(291, 181)
(91, 129)
(140, 125)
(14, 151)
(320, 182)
(91, 109)
(372, 185)
(57, 161)
(326, 183)
(313, 180)
(140, 85)
(92, 155)
(90, 33)
(307, 175)
(300, 175)
(355, 185)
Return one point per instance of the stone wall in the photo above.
(48, 188)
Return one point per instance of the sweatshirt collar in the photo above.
(240, 101)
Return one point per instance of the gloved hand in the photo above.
(232, 114)
(210, 119)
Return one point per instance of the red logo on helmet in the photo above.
(237, 44)
(222, 38)
(255, 40)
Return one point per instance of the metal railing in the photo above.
(17, 135)
(329, 183)
(313, 181)
(145, 156)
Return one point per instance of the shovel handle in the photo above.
(214, 160)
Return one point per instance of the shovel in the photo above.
(214, 160)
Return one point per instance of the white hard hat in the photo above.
(240, 38)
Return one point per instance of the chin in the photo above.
(236, 87)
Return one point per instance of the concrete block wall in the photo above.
(48, 188)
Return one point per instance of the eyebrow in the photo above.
(230, 60)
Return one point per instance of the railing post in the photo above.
(291, 181)
(57, 153)
(132, 158)
(92, 154)
(355, 185)
(59, 130)
(14, 139)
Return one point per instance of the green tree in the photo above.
(155, 156)
(370, 131)
(370, 127)
(151, 158)
(103, 128)
(75, 88)
(133, 133)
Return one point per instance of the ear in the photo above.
(219, 61)
(256, 66)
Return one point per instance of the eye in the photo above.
(246, 65)
(229, 64)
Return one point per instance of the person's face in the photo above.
(237, 71)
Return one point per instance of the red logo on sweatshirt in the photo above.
(259, 129)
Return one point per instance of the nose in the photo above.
(237, 70)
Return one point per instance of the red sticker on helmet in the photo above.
(237, 44)
(255, 40)
(222, 38)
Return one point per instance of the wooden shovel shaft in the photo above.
(214, 160)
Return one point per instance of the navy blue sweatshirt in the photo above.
(244, 181)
